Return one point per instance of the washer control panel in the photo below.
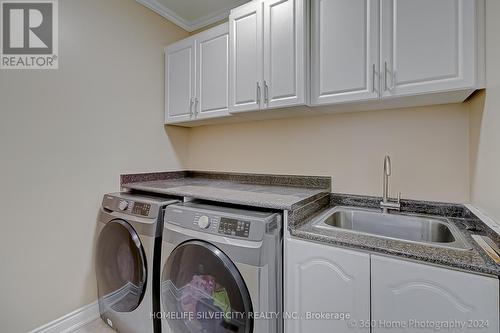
(123, 205)
(134, 207)
(141, 208)
(227, 222)
(126, 205)
(234, 227)
(204, 222)
(223, 225)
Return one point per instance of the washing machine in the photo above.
(128, 261)
(221, 270)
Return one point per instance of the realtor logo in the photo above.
(29, 34)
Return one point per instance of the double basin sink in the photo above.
(408, 228)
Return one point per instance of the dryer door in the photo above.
(121, 267)
(203, 291)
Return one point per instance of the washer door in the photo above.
(121, 267)
(203, 291)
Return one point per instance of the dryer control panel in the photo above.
(135, 205)
(234, 227)
(223, 221)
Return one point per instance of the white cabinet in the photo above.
(403, 291)
(180, 77)
(377, 50)
(323, 279)
(428, 46)
(197, 77)
(353, 54)
(345, 51)
(390, 295)
(267, 55)
(284, 52)
(212, 73)
(245, 57)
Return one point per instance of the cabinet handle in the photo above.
(393, 78)
(191, 102)
(266, 93)
(196, 102)
(258, 93)
(385, 76)
(373, 78)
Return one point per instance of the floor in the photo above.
(97, 326)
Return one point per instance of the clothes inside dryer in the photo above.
(206, 293)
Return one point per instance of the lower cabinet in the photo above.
(329, 289)
(425, 297)
(325, 281)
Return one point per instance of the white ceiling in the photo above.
(192, 14)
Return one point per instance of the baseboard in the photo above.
(72, 321)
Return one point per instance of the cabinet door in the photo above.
(427, 46)
(345, 51)
(245, 57)
(405, 291)
(212, 70)
(284, 52)
(324, 280)
(180, 80)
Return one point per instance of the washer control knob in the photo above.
(123, 205)
(203, 222)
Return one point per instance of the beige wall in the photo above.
(485, 125)
(428, 146)
(65, 136)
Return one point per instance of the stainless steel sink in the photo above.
(409, 228)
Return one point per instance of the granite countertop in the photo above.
(265, 191)
(473, 260)
(306, 197)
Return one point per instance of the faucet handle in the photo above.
(387, 166)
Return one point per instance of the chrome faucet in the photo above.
(386, 204)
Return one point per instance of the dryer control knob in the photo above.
(203, 222)
(123, 205)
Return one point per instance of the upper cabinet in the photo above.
(267, 55)
(245, 58)
(345, 51)
(428, 46)
(212, 73)
(180, 77)
(284, 52)
(197, 77)
(425, 47)
(350, 54)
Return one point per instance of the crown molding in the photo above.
(210, 18)
(189, 26)
(167, 13)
